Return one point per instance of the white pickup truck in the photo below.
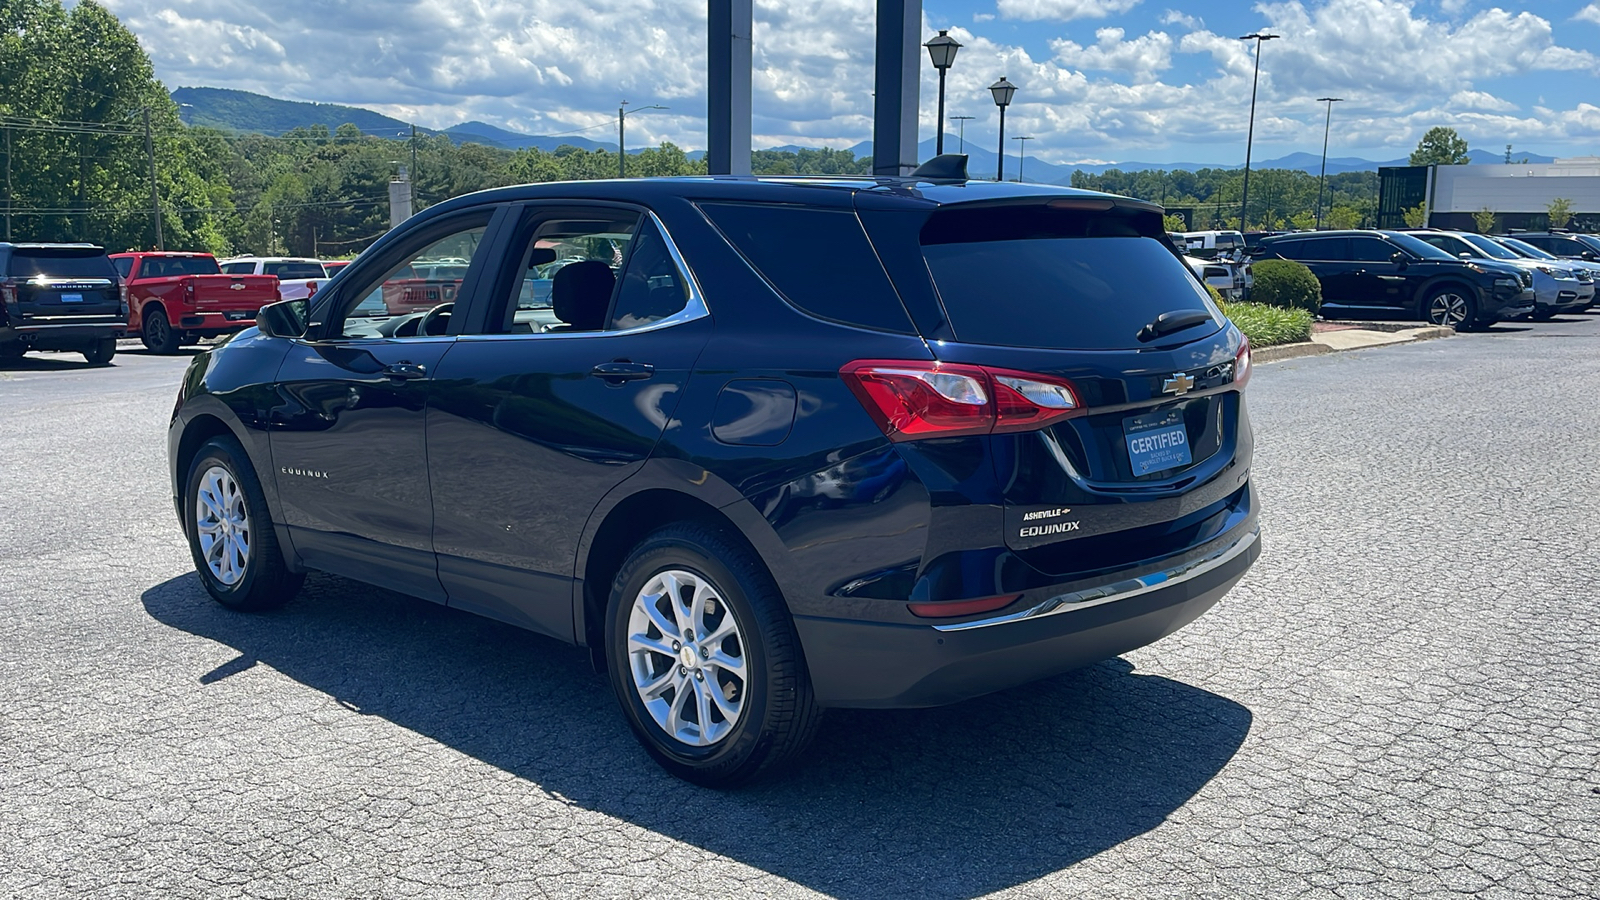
(298, 278)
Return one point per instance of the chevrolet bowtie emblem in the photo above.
(236, 286)
(1178, 385)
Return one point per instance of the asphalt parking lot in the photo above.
(1402, 699)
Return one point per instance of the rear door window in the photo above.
(30, 262)
(1059, 279)
(817, 259)
(1320, 250)
(1370, 249)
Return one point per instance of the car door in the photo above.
(1328, 258)
(549, 406)
(1376, 279)
(348, 428)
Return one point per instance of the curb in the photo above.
(1313, 348)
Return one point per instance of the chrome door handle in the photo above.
(405, 371)
(619, 371)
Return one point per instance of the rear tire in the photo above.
(743, 648)
(230, 532)
(157, 334)
(100, 352)
(1451, 305)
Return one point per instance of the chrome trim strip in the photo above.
(1118, 590)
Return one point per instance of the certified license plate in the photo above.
(1156, 441)
(71, 298)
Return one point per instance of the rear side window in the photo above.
(124, 266)
(173, 266)
(817, 259)
(28, 262)
(1060, 279)
(1369, 249)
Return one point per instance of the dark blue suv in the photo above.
(765, 446)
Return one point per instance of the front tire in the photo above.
(100, 352)
(704, 658)
(230, 531)
(1453, 306)
(157, 334)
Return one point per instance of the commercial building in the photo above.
(1519, 193)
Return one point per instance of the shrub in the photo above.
(1215, 297)
(1266, 326)
(1286, 284)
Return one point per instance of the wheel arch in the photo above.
(1443, 281)
(661, 495)
(218, 421)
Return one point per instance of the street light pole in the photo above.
(942, 50)
(1003, 91)
(1021, 153)
(962, 128)
(1323, 180)
(1244, 205)
(622, 144)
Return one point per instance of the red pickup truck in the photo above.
(179, 298)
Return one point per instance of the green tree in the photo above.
(1342, 218)
(1416, 216)
(1560, 210)
(1440, 146)
(1483, 220)
(1173, 223)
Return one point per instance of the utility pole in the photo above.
(155, 196)
(1250, 138)
(962, 127)
(622, 142)
(413, 180)
(1323, 180)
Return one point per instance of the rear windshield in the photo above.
(27, 262)
(1057, 279)
(173, 266)
(290, 271)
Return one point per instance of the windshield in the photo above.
(1588, 240)
(1417, 247)
(1525, 249)
(1488, 247)
(28, 262)
(1058, 280)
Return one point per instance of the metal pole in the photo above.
(728, 56)
(1249, 141)
(1000, 168)
(155, 197)
(1323, 180)
(962, 120)
(8, 184)
(411, 180)
(622, 145)
(938, 139)
(896, 81)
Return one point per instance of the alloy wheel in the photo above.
(223, 525)
(687, 656)
(1448, 308)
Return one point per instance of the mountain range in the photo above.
(242, 111)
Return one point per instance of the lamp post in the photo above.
(942, 50)
(1003, 91)
(1249, 141)
(622, 130)
(1022, 147)
(962, 128)
(1321, 182)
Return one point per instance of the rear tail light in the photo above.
(920, 399)
(8, 293)
(1241, 365)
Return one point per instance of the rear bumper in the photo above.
(874, 664)
(61, 335)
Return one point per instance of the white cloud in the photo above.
(547, 66)
(1173, 17)
(1143, 57)
(1062, 10)
(1590, 13)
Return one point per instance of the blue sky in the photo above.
(1101, 80)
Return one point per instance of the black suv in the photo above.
(1564, 244)
(60, 297)
(770, 446)
(1373, 274)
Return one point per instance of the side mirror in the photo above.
(1590, 255)
(1464, 255)
(1398, 258)
(284, 319)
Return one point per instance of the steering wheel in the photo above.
(436, 321)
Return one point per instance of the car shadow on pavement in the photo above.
(52, 362)
(945, 803)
